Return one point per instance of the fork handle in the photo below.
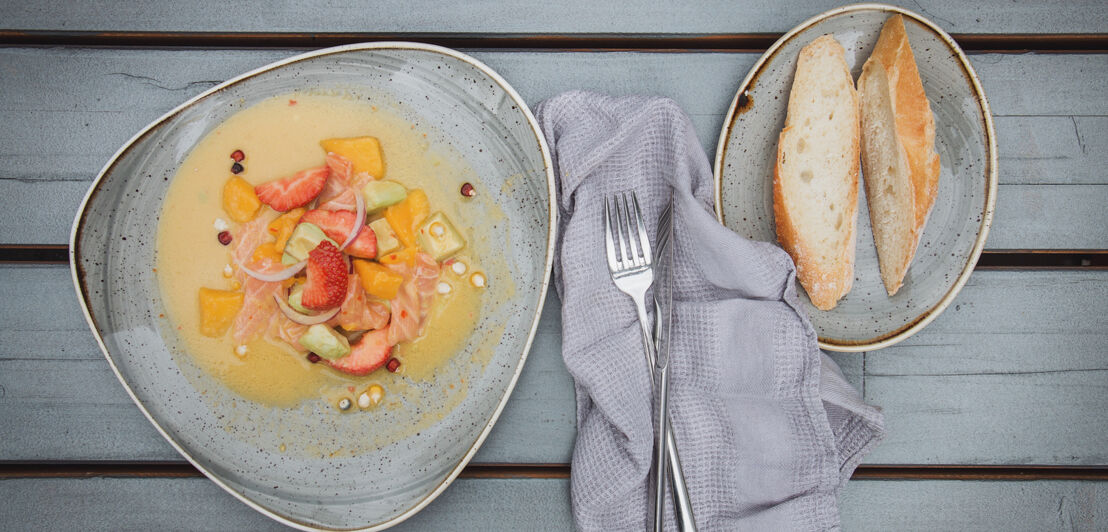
(683, 513)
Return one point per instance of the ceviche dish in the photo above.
(309, 249)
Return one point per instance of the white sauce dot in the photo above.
(444, 288)
(478, 279)
(363, 400)
(459, 267)
(438, 230)
(221, 224)
(227, 271)
(240, 350)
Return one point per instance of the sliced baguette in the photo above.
(815, 181)
(899, 164)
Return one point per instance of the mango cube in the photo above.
(406, 216)
(282, 227)
(377, 280)
(239, 200)
(218, 309)
(363, 152)
(407, 256)
(266, 251)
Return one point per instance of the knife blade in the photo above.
(663, 313)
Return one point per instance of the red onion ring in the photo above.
(273, 277)
(303, 319)
(359, 220)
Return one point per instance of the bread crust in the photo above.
(828, 282)
(915, 131)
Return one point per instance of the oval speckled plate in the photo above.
(301, 465)
(867, 318)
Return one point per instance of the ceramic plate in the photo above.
(867, 318)
(316, 481)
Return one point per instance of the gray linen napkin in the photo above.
(767, 427)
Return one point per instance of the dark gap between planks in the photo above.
(1013, 259)
(33, 254)
(14, 470)
(740, 42)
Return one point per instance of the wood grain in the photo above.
(974, 505)
(1012, 373)
(529, 16)
(1049, 109)
(198, 504)
(533, 504)
(1019, 354)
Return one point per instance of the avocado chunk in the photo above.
(325, 342)
(381, 194)
(386, 237)
(304, 238)
(438, 237)
(295, 295)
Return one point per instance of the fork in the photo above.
(631, 266)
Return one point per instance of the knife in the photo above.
(667, 458)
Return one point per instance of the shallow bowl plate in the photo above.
(461, 104)
(867, 318)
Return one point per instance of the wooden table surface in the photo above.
(997, 412)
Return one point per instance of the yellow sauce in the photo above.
(280, 138)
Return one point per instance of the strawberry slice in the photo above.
(366, 356)
(292, 192)
(337, 225)
(326, 285)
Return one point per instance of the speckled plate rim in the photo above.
(991, 172)
(79, 286)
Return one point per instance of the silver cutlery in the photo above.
(661, 359)
(663, 312)
(631, 265)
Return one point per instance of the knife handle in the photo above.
(661, 449)
(682, 505)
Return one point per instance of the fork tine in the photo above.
(644, 239)
(609, 244)
(625, 259)
(629, 219)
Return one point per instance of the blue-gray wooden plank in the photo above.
(543, 504)
(59, 399)
(75, 107)
(529, 16)
(1017, 365)
(1013, 373)
(198, 504)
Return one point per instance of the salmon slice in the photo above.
(289, 331)
(413, 301)
(248, 237)
(343, 201)
(258, 309)
(337, 193)
(360, 179)
(358, 312)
